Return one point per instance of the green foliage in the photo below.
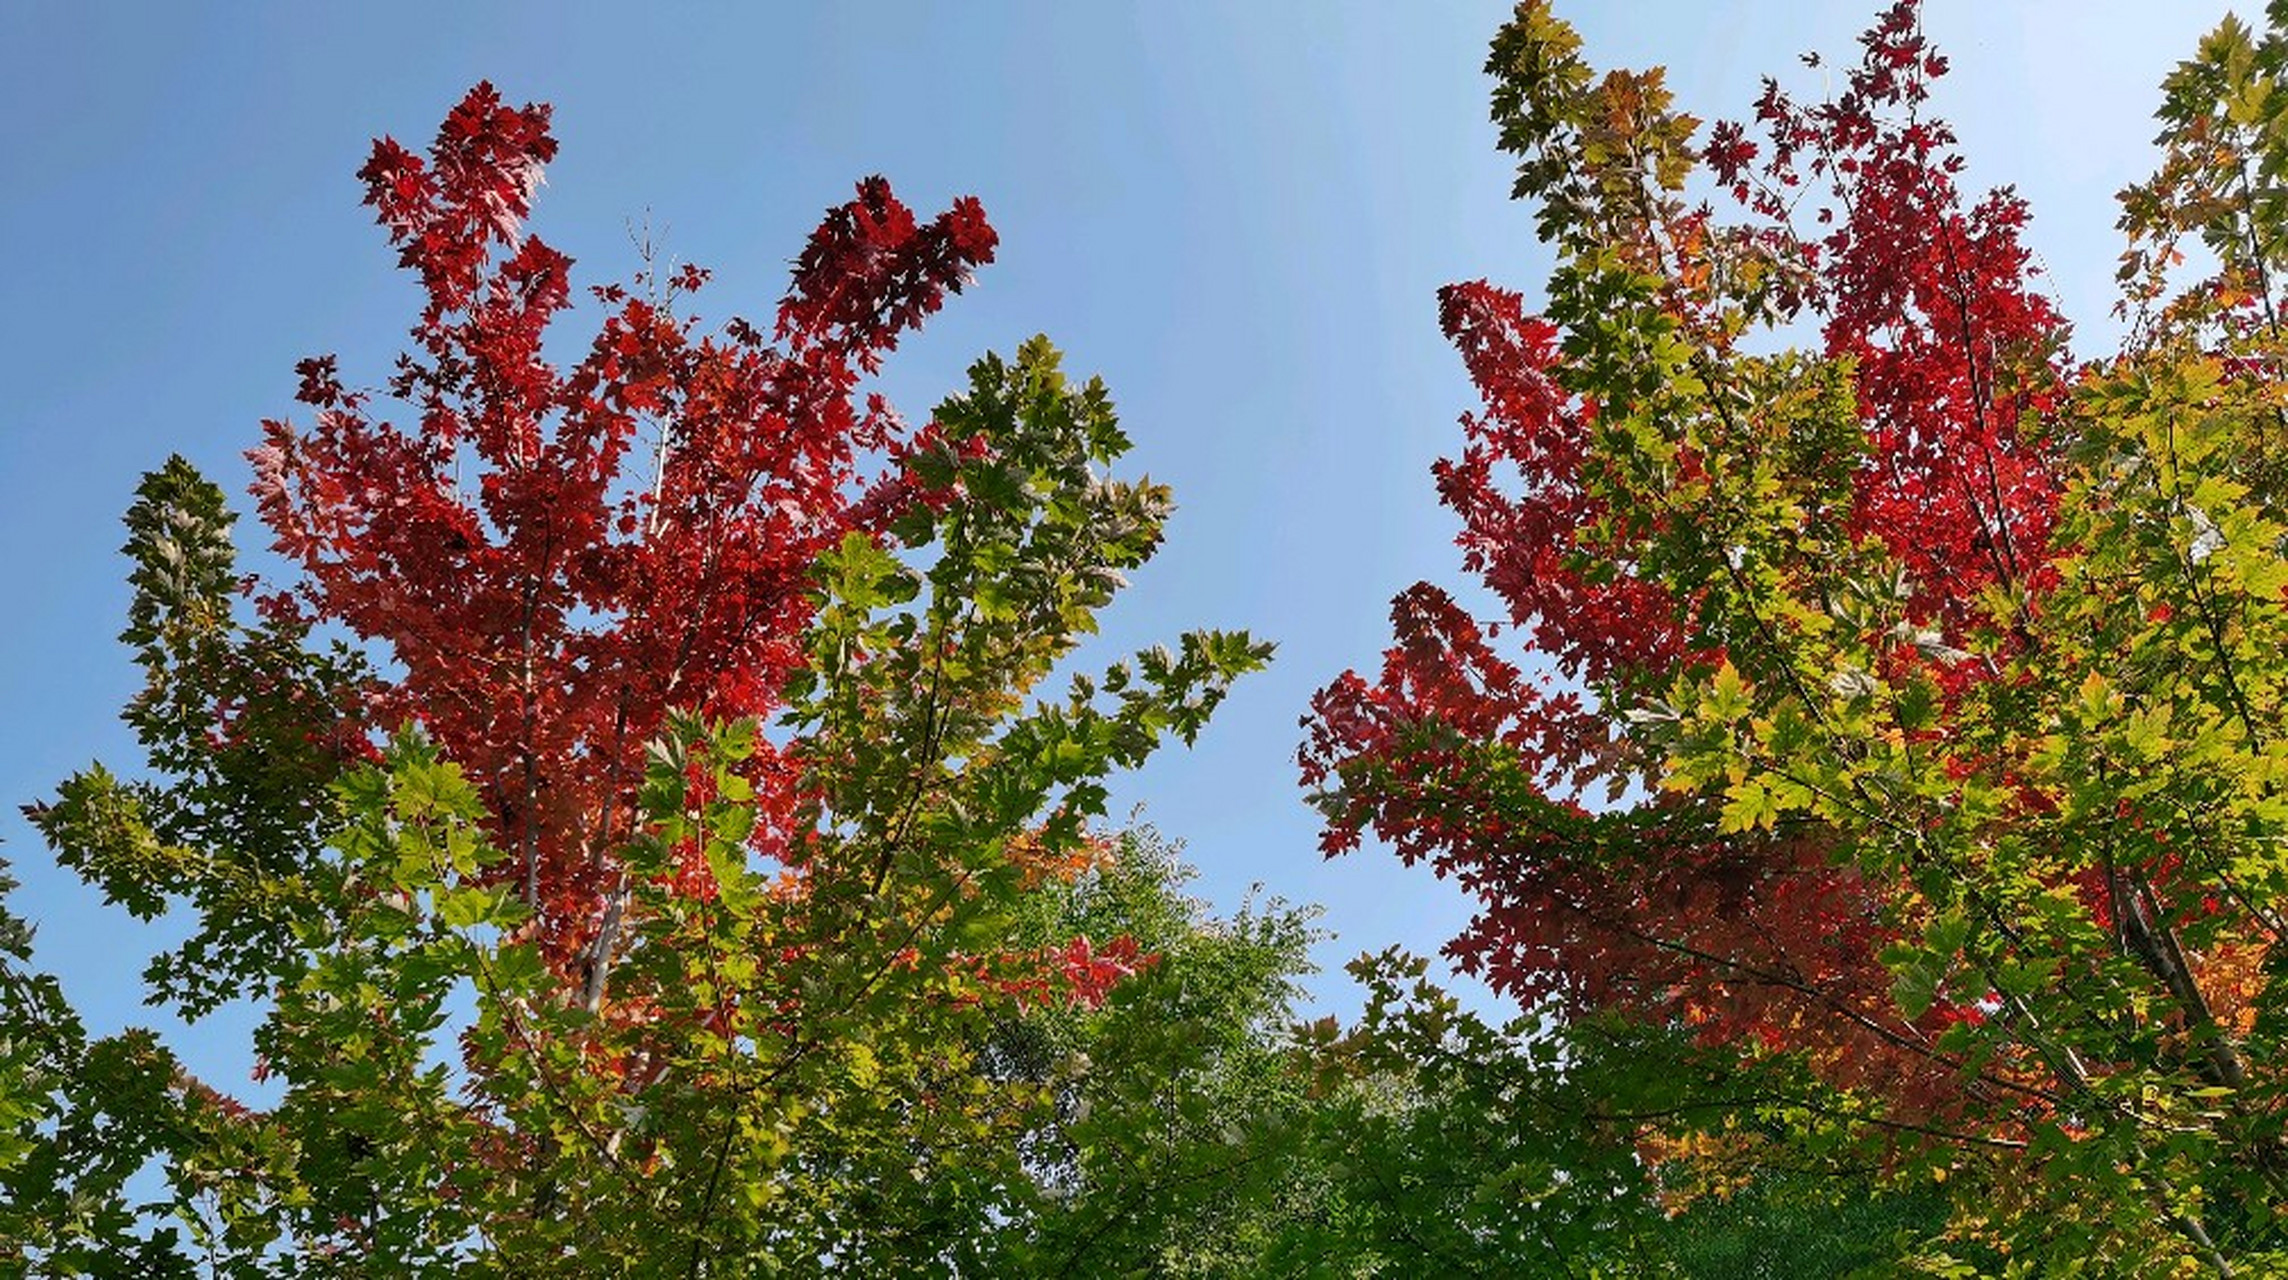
(1174, 1145)
(1781, 1226)
(248, 725)
(787, 1064)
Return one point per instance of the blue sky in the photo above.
(1237, 213)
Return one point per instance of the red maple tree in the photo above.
(1487, 769)
(554, 558)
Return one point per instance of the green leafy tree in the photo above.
(1595, 1147)
(1176, 1143)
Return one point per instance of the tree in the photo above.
(700, 804)
(1597, 1146)
(1178, 1140)
(1906, 718)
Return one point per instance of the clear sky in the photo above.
(1238, 213)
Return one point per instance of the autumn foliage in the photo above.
(658, 738)
(645, 824)
(1895, 709)
(557, 557)
(1931, 304)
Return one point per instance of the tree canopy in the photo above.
(639, 883)
(660, 810)
(1911, 738)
